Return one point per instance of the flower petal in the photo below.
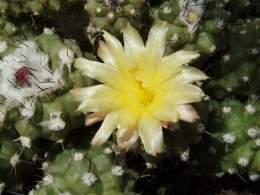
(112, 42)
(126, 137)
(133, 42)
(115, 49)
(150, 131)
(187, 113)
(94, 118)
(102, 72)
(100, 98)
(94, 69)
(166, 112)
(105, 54)
(106, 129)
(99, 104)
(170, 65)
(183, 94)
(82, 94)
(179, 58)
(190, 75)
(155, 44)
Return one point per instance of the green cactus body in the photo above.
(7, 28)
(52, 120)
(113, 15)
(193, 25)
(17, 161)
(237, 72)
(234, 144)
(35, 7)
(82, 172)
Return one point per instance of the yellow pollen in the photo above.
(144, 96)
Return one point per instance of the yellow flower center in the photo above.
(145, 97)
(140, 97)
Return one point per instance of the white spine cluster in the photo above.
(66, 57)
(243, 162)
(55, 123)
(48, 31)
(253, 132)
(45, 165)
(47, 180)
(89, 178)
(226, 58)
(229, 138)
(254, 177)
(167, 10)
(25, 141)
(150, 165)
(220, 23)
(78, 156)
(28, 108)
(226, 109)
(117, 170)
(232, 171)
(108, 150)
(245, 79)
(14, 160)
(185, 156)
(250, 109)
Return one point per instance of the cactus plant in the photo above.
(33, 78)
(194, 24)
(92, 171)
(34, 7)
(237, 72)
(113, 15)
(45, 133)
(233, 146)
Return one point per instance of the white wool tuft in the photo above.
(41, 80)
(229, 138)
(89, 178)
(55, 123)
(25, 141)
(78, 156)
(66, 57)
(47, 180)
(14, 160)
(117, 170)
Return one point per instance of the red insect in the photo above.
(23, 76)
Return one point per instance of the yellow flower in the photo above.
(141, 90)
